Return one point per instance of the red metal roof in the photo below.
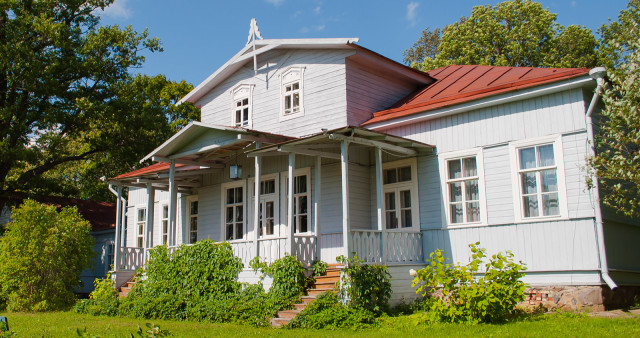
(459, 84)
(152, 169)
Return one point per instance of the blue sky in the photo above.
(199, 36)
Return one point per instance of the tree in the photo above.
(617, 161)
(517, 33)
(42, 253)
(425, 47)
(64, 86)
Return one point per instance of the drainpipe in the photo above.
(121, 210)
(598, 74)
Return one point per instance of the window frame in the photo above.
(558, 153)
(274, 197)
(412, 185)
(164, 235)
(284, 195)
(109, 255)
(443, 160)
(240, 92)
(223, 210)
(139, 232)
(290, 76)
(190, 200)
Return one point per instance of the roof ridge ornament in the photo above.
(254, 32)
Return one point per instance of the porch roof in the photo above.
(321, 144)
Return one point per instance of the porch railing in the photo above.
(391, 247)
(130, 258)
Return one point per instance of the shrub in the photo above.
(327, 312)
(365, 286)
(465, 298)
(288, 278)
(42, 253)
(102, 301)
(319, 267)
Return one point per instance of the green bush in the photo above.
(365, 286)
(489, 298)
(102, 301)
(42, 253)
(326, 312)
(288, 277)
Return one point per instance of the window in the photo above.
(164, 221)
(193, 220)
(109, 259)
(233, 206)
(292, 97)
(268, 208)
(140, 225)
(463, 187)
(242, 108)
(400, 194)
(539, 172)
(301, 200)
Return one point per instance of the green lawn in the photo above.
(64, 324)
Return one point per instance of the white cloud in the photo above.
(411, 12)
(304, 30)
(117, 10)
(317, 10)
(319, 28)
(276, 2)
(574, 3)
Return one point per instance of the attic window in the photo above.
(242, 106)
(292, 93)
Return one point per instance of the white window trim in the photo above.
(223, 223)
(558, 153)
(444, 186)
(107, 244)
(162, 205)
(240, 92)
(286, 78)
(137, 222)
(413, 187)
(191, 199)
(277, 225)
(285, 203)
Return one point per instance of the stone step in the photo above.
(332, 273)
(280, 321)
(323, 279)
(318, 291)
(300, 306)
(308, 299)
(288, 313)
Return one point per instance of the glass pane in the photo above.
(455, 169)
(471, 190)
(287, 88)
(165, 211)
(405, 199)
(455, 192)
(140, 228)
(296, 85)
(287, 104)
(390, 176)
(141, 215)
(245, 102)
(406, 218)
(229, 215)
(530, 205)
(302, 225)
(269, 209)
(194, 223)
(527, 158)
(268, 187)
(296, 100)
(165, 227)
(404, 174)
(469, 167)
(239, 231)
(193, 238)
(529, 184)
(300, 184)
(229, 234)
(550, 204)
(139, 242)
(238, 103)
(456, 213)
(392, 221)
(549, 180)
(390, 201)
(239, 214)
(245, 114)
(230, 196)
(303, 205)
(473, 212)
(238, 195)
(269, 227)
(545, 156)
(194, 208)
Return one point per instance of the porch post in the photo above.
(256, 205)
(292, 164)
(316, 204)
(123, 220)
(148, 232)
(346, 226)
(173, 198)
(380, 203)
(116, 254)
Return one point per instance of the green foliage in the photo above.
(152, 331)
(365, 286)
(288, 278)
(513, 33)
(326, 312)
(319, 268)
(617, 162)
(42, 253)
(425, 47)
(466, 298)
(102, 301)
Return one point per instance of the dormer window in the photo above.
(241, 116)
(292, 97)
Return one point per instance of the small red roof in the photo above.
(152, 169)
(459, 84)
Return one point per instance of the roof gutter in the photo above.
(598, 74)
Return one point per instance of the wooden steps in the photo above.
(126, 288)
(322, 284)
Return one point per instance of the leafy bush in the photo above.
(327, 312)
(102, 301)
(319, 267)
(288, 278)
(488, 299)
(42, 253)
(365, 286)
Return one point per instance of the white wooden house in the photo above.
(385, 162)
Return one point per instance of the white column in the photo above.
(123, 222)
(344, 170)
(290, 237)
(380, 205)
(256, 206)
(173, 199)
(148, 232)
(316, 204)
(116, 254)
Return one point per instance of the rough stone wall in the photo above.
(581, 298)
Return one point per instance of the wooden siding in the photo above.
(401, 284)
(369, 91)
(621, 242)
(324, 92)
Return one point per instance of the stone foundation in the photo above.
(581, 298)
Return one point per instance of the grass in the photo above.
(64, 324)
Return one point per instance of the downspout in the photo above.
(598, 74)
(119, 224)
